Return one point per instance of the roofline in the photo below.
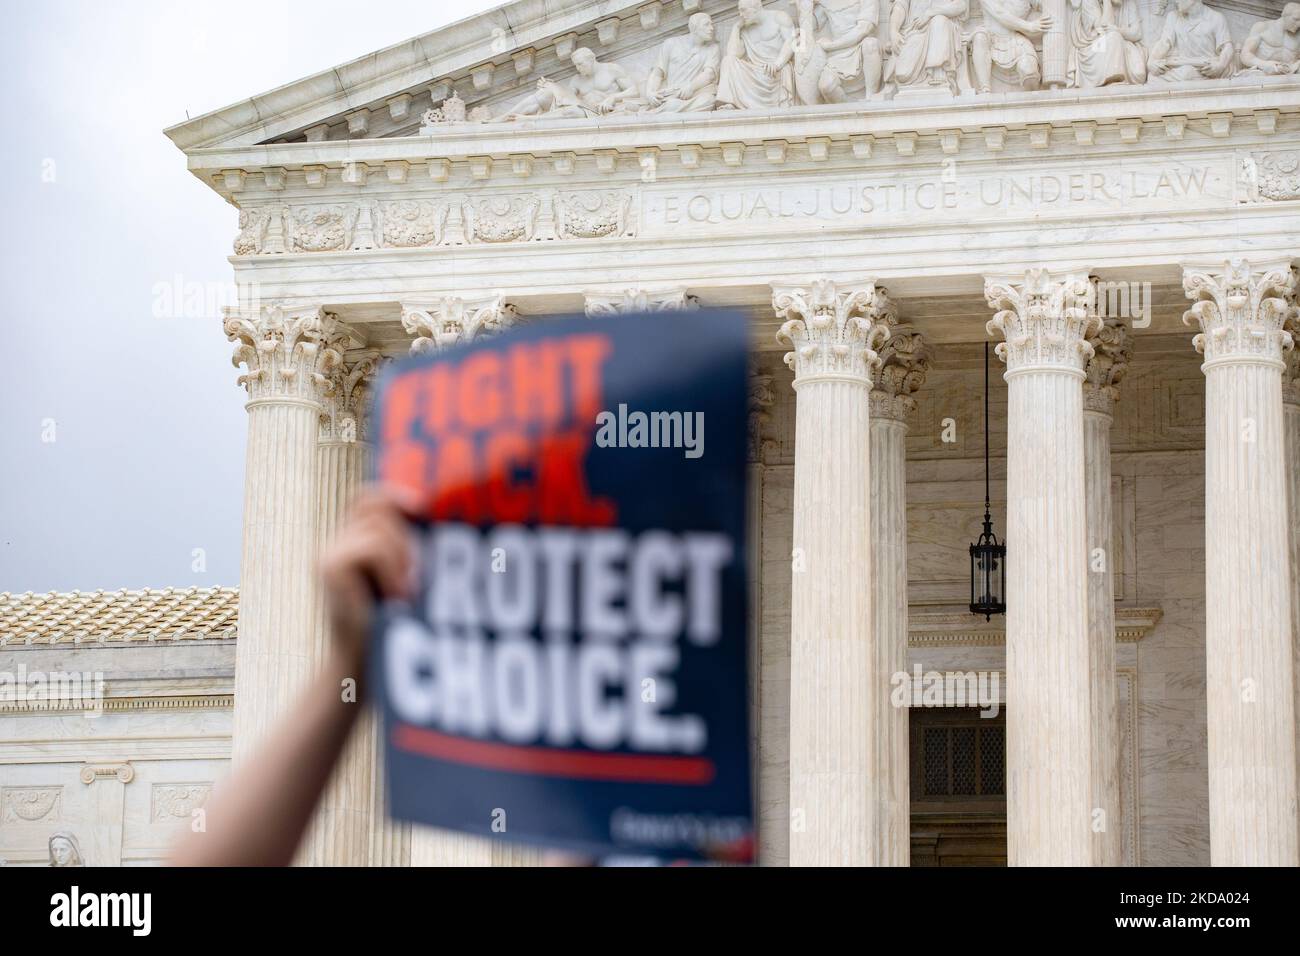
(419, 61)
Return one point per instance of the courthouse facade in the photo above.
(1109, 190)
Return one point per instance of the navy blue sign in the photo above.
(572, 674)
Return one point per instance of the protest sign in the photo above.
(572, 672)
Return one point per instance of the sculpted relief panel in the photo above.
(782, 53)
(422, 223)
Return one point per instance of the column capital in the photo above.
(288, 352)
(833, 332)
(448, 320)
(762, 396)
(904, 363)
(600, 304)
(1291, 357)
(1240, 310)
(1112, 349)
(343, 409)
(1044, 318)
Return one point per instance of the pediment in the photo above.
(493, 61)
(488, 57)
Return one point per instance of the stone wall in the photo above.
(123, 776)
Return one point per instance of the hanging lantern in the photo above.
(988, 556)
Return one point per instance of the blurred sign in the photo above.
(573, 672)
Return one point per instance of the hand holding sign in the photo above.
(575, 653)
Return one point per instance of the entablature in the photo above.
(999, 127)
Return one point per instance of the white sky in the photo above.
(100, 222)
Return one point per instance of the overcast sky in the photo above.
(122, 426)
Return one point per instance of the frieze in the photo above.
(670, 210)
(547, 215)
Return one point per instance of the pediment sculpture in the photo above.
(782, 53)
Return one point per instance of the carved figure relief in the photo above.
(1106, 43)
(1002, 47)
(785, 52)
(925, 36)
(1194, 44)
(757, 66)
(1273, 47)
(65, 849)
(684, 78)
(598, 89)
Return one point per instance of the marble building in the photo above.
(1108, 190)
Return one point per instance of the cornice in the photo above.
(1053, 122)
(419, 61)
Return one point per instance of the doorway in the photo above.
(958, 787)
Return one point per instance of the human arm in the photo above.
(287, 774)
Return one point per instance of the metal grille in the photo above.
(964, 761)
(936, 761)
(993, 772)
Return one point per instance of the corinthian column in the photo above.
(905, 361)
(1045, 319)
(1111, 353)
(1291, 467)
(436, 324)
(289, 356)
(1248, 643)
(344, 823)
(833, 335)
(449, 320)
